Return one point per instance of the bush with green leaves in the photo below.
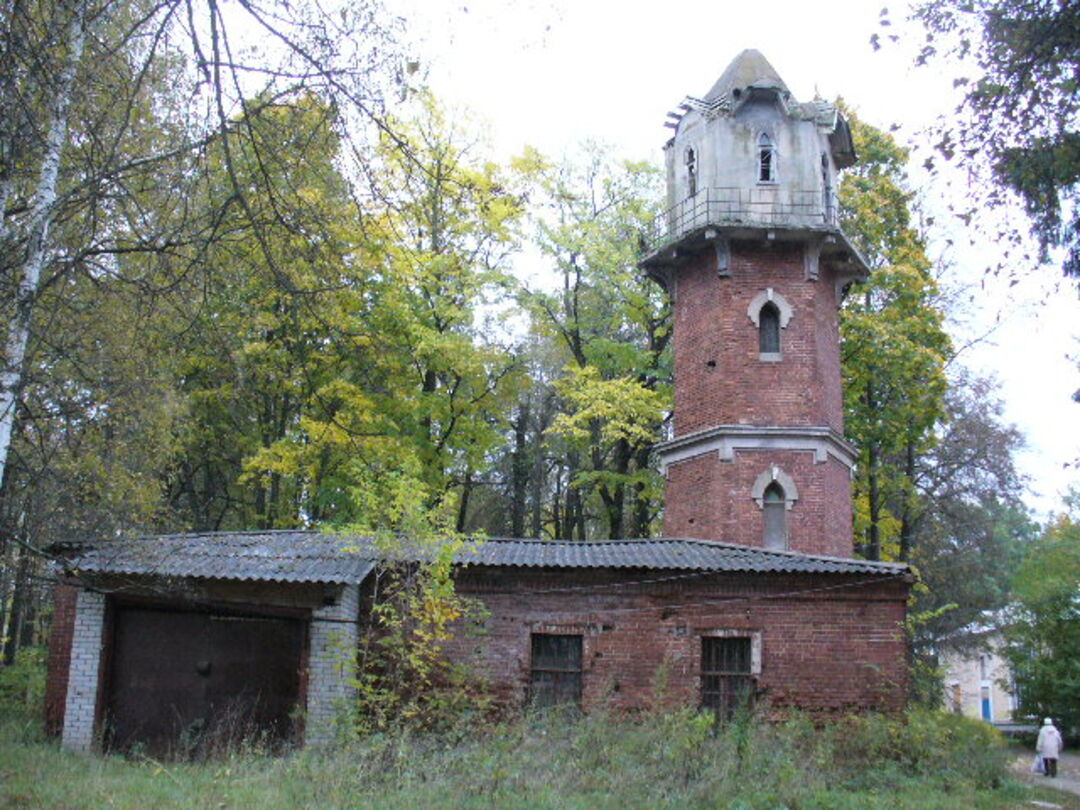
(22, 683)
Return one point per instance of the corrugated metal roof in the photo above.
(305, 556)
(279, 556)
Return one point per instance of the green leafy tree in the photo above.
(973, 530)
(1016, 125)
(447, 220)
(1044, 632)
(609, 332)
(894, 347)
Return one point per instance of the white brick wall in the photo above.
(82, 693)
(331, 665)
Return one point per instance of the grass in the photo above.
(924, 761)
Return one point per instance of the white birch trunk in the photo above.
(7, 94)
(41, 214)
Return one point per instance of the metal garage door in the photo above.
(188, 684)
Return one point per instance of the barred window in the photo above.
(556, 670)
(726, 679)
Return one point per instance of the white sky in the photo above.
(552, 73)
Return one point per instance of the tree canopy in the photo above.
(1018, 64)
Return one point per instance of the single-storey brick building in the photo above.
(753, 591)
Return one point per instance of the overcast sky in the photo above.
(552, 73)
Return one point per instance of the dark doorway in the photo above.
(190, 684)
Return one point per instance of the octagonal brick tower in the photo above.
(753, 257)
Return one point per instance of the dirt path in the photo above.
(1068, 777)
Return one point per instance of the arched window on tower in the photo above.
(828, 196)
(691, 172)
(774, 508)
(766, 159)
(769, 329)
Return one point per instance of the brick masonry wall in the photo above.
(720, 379)
(84, 671)
(711, 499)
(719, 376)
(828, 644)
(331, 665)
(56, 675)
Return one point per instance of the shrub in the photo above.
(22, 683)
(921, 743)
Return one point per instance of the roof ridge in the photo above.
(787, 552)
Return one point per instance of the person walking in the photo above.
(1048, 746)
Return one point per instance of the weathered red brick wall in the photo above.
(711, 499)
(828, 643)
(720, 379)
(719, 376)
(56, 677)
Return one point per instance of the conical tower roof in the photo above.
(748, 69)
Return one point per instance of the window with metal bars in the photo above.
(726, 680)
(556, 670)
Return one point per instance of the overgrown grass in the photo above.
(922, 761)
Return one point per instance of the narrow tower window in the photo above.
(691, 171)
(774, 507)
(766, 159)
(769, 329)
(828, 200)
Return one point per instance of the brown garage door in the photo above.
(188, 684)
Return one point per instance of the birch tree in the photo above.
(169, 80)
(42, 210)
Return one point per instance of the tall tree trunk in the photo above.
(463, 504)
(19, 607)
(640, 513)
(7, 109)
(41, 214)
(907, 515)
(872, 549)
(519, 470)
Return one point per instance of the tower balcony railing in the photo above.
(768, 207)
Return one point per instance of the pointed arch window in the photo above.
(774, 509)
(769, 328)
(691, 171)
(775, 493)
(766, 159)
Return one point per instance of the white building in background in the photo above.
(978, 681)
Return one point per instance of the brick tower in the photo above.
(753, 257)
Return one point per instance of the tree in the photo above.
(1043, 635)
(972, 530)
(610, 332)
(1017, 122)
(447, 220)
(112, 151)
(893, 350)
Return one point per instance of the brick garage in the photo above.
(200, 637)
(822, 634)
